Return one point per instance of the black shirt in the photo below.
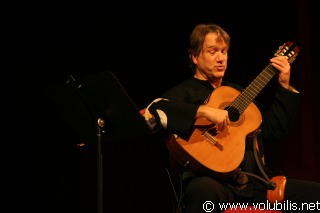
(178, 107)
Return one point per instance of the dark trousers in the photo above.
(205, 194)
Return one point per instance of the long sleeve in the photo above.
(278, 120)
(175, 109)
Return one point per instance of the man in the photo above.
(180, 109)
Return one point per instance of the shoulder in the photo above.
(190, 89)
(193, 84)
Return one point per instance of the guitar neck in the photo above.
(254, 88)
(288, 49)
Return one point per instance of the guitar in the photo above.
(220, 153)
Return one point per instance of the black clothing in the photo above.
(180, 105)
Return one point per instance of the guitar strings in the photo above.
(239, 105)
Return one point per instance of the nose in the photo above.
(220, 56)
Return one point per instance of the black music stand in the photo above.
(99, 109)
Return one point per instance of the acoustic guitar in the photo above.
(220, 153)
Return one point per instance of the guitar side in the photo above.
(211, 151)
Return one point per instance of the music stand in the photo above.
(99, 108)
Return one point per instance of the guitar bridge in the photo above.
(214, 142)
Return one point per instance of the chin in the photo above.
(219, 75)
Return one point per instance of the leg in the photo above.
(299, 196)
(201, 189)
(302, 196)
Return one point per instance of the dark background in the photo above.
(145, 46)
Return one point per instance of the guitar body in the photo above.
(224, 155)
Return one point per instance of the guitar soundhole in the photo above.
(236, 117)
(233, 112)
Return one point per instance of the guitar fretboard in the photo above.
(253, 89)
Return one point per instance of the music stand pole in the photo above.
(100, 131)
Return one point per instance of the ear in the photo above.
(194, 59)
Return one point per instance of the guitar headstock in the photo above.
(288, 49)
